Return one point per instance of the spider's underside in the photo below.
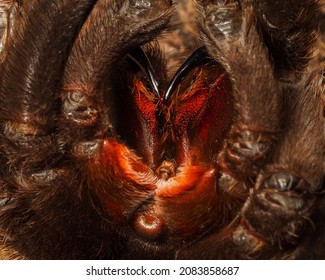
(129, 134)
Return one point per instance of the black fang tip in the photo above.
(199, 57)
(139, 57)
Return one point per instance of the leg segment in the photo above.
(9, 14)
(289, 29)
(32, 189)
(229, 32)
(288, 190)
(27, 110)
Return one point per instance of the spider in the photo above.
(110, 151)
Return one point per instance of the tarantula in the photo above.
(110, 152)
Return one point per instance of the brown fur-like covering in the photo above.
(99, 162)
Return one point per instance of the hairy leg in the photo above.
(283, 182)
(53, 114)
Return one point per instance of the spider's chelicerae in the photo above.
(108, 150)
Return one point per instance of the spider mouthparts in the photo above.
(166, 170)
